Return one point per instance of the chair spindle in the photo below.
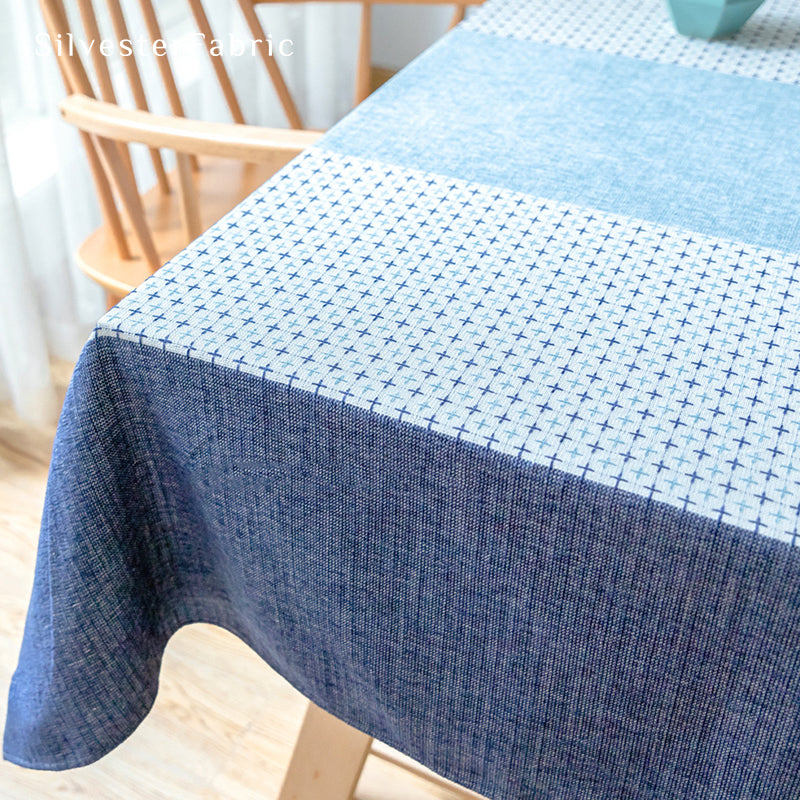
(216, 61)
(137, 88)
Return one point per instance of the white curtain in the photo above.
(23, 348)
(47, 203)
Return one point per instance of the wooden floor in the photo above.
(224, 724)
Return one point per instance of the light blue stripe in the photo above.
(713, 153)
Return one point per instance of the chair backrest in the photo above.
(54, 10)
(110, 162)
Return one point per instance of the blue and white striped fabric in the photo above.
(479, 423)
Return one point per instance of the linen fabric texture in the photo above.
(476, 433)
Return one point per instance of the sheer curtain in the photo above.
(47, 203)
(23, 345)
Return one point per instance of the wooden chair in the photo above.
(218, 164)
(329, 756)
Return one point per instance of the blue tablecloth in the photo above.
(478, 422)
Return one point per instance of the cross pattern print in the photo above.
(634, 355)
(763, 48)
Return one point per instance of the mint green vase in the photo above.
(707, 19)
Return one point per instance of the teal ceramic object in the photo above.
(707, 19)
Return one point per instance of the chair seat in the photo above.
(221, 184)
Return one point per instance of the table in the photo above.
(479, 423)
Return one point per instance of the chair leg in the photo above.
(327, 759)
(458, 16)
(364, 53)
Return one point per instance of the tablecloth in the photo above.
(478, 423)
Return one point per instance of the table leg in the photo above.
(327, 759)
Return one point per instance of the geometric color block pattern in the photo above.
(653, 360)
(478, 423)
(762, 48)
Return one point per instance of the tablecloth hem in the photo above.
(102, 749)
(201, 615)
(64, 764)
